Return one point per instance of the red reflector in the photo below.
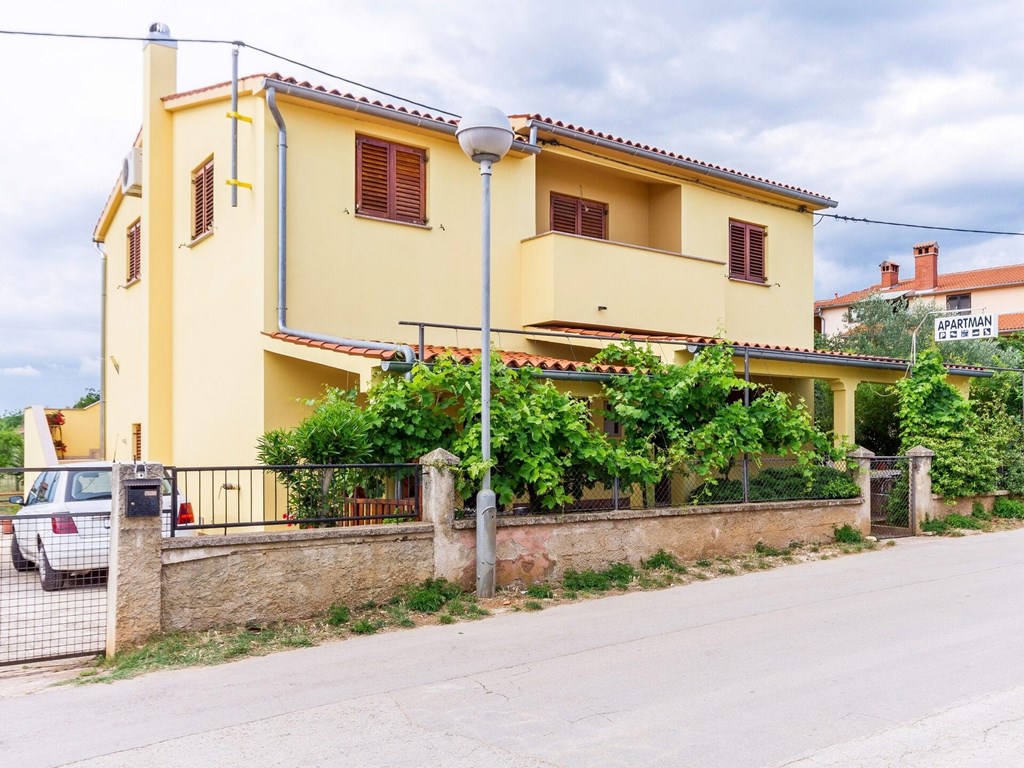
(63, 525)
(185, 516)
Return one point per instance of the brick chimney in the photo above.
(926, 265)
(890, 273)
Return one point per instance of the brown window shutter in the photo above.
(593, 219)
(134, 252)
(737, 250)
(563, 214)
(371, 177)
(202, 200)
(136, 442)
(576, 216)
(410, 185)
(755, 250)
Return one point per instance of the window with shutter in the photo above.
(577, 216)
(134, 271)
(747, 251)
(136, 442)
(202, 199)
(391, 181)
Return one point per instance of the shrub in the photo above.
(338, 614)
(963, 522)
(978, 511)
(1008, 508)
(781, 484)
(431, 595)
(847, 534)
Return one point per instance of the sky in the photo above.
(902, 111)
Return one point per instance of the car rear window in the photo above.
(86, 485)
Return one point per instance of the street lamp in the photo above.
(485, 134)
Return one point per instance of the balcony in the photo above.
(583, 281)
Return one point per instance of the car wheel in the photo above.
(50, 579)
(18, 560)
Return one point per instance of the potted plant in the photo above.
(55, 419)
(60, 447)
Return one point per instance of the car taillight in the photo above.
(63, 525)
(185, 516)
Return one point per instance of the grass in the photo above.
(847, 534)
(436, 601)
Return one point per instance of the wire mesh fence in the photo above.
(891, 502)
(744, 480)
(237, 499)
(53, 565)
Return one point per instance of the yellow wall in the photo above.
(81, 432)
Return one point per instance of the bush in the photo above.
(1008, 508)
(963, 522)
(431, 595)
(847, 534)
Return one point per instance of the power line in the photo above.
(919, 226)
(239, 43)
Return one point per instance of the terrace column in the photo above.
(844, 392)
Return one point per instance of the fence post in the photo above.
(861, 458)
(921, 508)
(133, 580)
(438, 500)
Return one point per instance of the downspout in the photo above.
(103, 351)
(282, 251)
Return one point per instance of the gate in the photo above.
(53, 564)
(892, 508)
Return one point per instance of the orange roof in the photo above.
(462, 355)
(1011, 322)
(974, 279)
(628, 144)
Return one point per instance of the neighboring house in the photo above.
(995, 290)
(376, 220)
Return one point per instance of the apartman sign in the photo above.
(966, 327)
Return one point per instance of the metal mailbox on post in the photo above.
(143, 497)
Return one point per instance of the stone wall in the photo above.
(538, 548)
(217, 581)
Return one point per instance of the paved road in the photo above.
(909, 656)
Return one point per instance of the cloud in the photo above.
(21, 372)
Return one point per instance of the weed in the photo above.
(964, 523)
(934, 525)
(847, 534)
(366, 626)
(703, 563)
(978, 511)
(541, 591)
(446, 618)
(1008, 508)
(430, 596)
(533, 605)
(399, 616)
(726, 570)
(617, 575)
(338, 615)
(570, 594)
(663, 560)
(701, 576)
(763, 549)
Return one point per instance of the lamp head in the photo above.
(484, 133)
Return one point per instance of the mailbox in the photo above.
(143, 497)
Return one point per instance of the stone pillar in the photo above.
(921, 506)
(860, 461)
(133, 583)
(844, 393)
(438, 500)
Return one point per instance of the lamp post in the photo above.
(485, 134)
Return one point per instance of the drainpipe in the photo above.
(103, 350)
(282, 251)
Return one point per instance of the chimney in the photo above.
(890, 273)
(926, 265)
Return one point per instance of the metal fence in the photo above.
(892, 507)
(53, 565)
(301, 496)
(745, 480)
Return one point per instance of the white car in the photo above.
(63, 526)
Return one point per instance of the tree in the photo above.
(12, 448)
(91, 396)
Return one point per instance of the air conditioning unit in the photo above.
(131, 173)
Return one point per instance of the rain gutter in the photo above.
(282, 250)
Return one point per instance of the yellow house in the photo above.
(268, 237)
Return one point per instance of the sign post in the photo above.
(967, 327)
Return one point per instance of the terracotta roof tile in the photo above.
(1011, 322)
(627, 143)
(974, 279)
(462, 355)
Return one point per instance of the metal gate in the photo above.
(892, 508)
(53, 564)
